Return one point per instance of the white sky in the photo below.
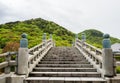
(75, 15)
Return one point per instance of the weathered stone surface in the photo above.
(83, 37)
(23, 61)
(3, 77)
(17, 79)
(108, 62)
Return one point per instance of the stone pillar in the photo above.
(8, 58)
(83, 37)
(51, 36)
(44, 39)
(23, 56)
(76, 36)
(108, 60)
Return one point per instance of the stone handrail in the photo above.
(37, 53)
(91, 53)
(35, 48)
(25, 60)
(93, 48)
(102, 60)
(6, 65)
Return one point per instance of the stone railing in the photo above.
(25, 60)
(28, 58)
(102, 60)
(37, 53)
(91, 53)
(8, 63)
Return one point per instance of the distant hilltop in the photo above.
(95, 37)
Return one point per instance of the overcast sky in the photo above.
(75, 15)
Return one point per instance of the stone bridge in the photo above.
(45, 63)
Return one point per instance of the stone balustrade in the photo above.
(101, 59)
(91, 53)
(32, 55)
(25, 60)
(37, 53)
(8, 63)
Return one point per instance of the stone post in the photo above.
(76, 36)
(8, 58)
(83, 37)
(23, 56)
(108, 61)
(44, 39)
(51, 36)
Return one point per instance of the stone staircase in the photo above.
(64, 65)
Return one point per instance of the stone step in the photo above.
(58, 55)
(66, 65)
(64, 80)
(64, 57)
(64, 74)
(64, 62)
(45, 69)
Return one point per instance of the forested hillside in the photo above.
(10, 33)
(95, 37)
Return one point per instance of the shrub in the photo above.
(11, 46)
(118, 69)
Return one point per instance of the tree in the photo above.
(11, 46)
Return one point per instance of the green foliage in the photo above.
(117, 58)
(0, 51)
(118, 69)
(11, 32)
(2, 59)
(62, 43)
(95, 37)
